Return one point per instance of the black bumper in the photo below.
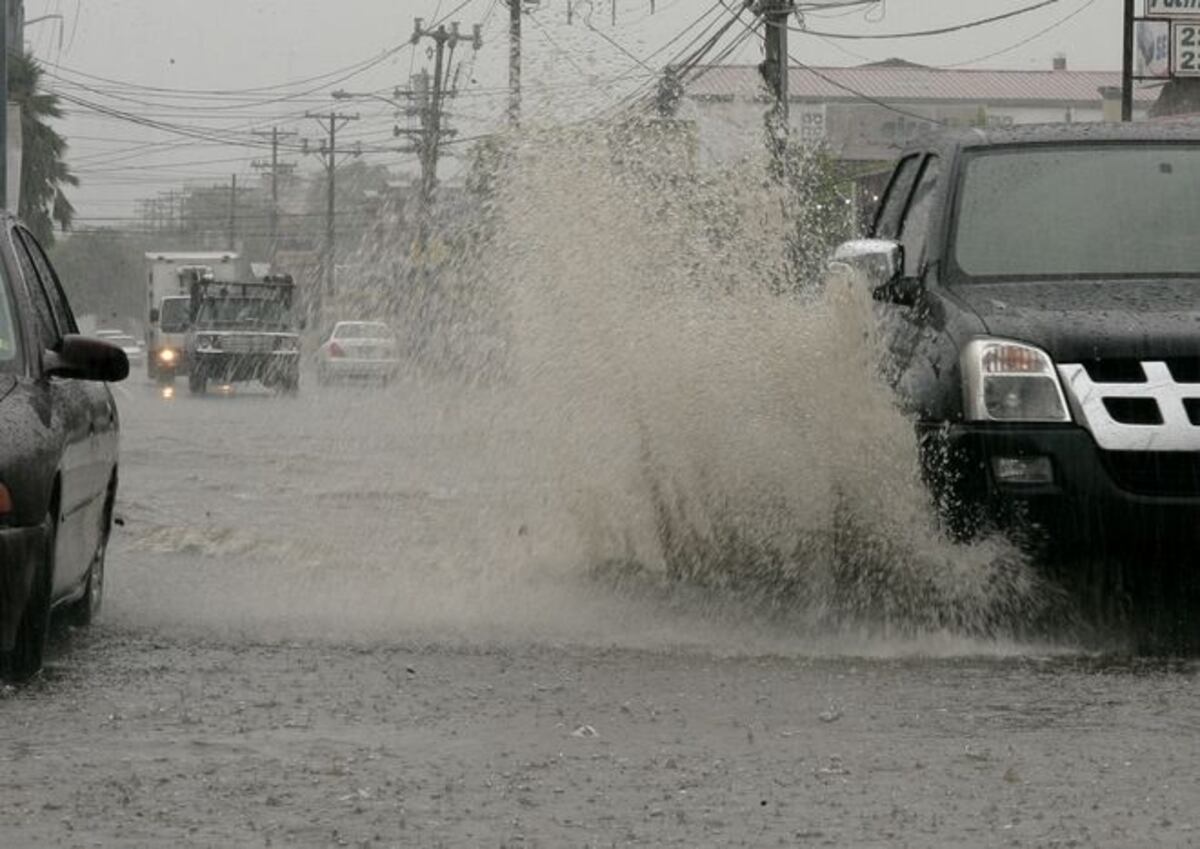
(20, 550)
(1146, 501)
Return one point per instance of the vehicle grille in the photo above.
(1164, 473)
(247, 344)
(1146, 406)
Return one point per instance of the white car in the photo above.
(364, 350)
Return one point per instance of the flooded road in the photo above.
(358, 618)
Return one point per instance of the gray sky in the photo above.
(190, 48)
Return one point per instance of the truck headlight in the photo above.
(1011, 382)
(167, 356)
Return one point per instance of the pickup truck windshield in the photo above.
(1086, 211)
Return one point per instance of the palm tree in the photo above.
(44, 172)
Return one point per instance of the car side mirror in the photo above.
(881, 263)
(154, 316)
(86, 359)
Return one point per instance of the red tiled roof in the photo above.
(905, 83)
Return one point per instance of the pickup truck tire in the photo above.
(25, 659)
(197, 383)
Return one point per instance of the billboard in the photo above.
(1173, 8)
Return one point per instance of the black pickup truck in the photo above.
(1039, 293)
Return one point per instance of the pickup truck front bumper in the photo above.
(1052, 484)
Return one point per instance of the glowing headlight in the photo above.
(1011, 382)
(167, 355)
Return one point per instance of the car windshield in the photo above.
(363, 330)
(1086, 211)
(9, 340)
(174, 316)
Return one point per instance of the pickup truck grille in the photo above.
(1162, 473)
(1132, 406)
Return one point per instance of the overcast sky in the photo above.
(163, 59)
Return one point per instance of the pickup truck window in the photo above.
(914, 232)
(1079, 211)
(891, 210)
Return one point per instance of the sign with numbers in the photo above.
(1185, 37)
(1173, 8)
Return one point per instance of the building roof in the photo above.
(903, 82)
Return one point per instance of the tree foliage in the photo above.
(44, 171)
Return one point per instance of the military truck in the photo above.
(240, 332)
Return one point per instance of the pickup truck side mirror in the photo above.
(881, 263)
(154, 316)
(86, 359)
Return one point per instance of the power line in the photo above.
(1043, 31)
(929, 32)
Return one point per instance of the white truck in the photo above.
(168, 277)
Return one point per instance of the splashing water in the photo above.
(702, 426)
(656, 444)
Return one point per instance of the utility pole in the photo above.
(430, 97)
(514, 62)
(233, 213)
(1127, 64)
(327, 152)
(276, 168)
(775, 70)
(6, 41)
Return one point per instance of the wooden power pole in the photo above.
(328, 153)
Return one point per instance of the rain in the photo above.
(538, 432)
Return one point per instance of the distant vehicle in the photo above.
(58, 457)
(1038, 294)
(363, 350)
(132, 347)
(169, 276)
(107, 334)
(240, 332)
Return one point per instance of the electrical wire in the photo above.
(930, 32)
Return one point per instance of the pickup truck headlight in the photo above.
(1011, 382)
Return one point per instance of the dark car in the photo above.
(58, 455)
(1039, 292)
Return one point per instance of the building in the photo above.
(866, 114)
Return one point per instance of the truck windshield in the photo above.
(1095, 211)
(174, 315)
(244, 312)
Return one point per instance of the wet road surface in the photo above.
(358, 619)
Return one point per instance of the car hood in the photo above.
(1087, 320)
